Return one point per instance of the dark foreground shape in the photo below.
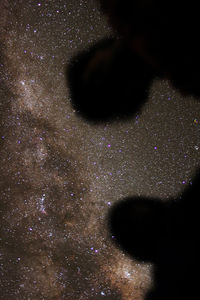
(166, 234)
(157, 38)
(108, 81)
(168, 35)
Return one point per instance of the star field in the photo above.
(60, 176)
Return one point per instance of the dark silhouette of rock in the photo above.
(165, 233)
(153, 38)
(108, 81)
(164, 33)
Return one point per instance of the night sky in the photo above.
(59, 175)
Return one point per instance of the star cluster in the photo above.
(60, 176)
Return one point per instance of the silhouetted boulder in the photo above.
(165, 233)
(108, 81)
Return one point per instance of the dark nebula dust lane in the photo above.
(59, 176)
